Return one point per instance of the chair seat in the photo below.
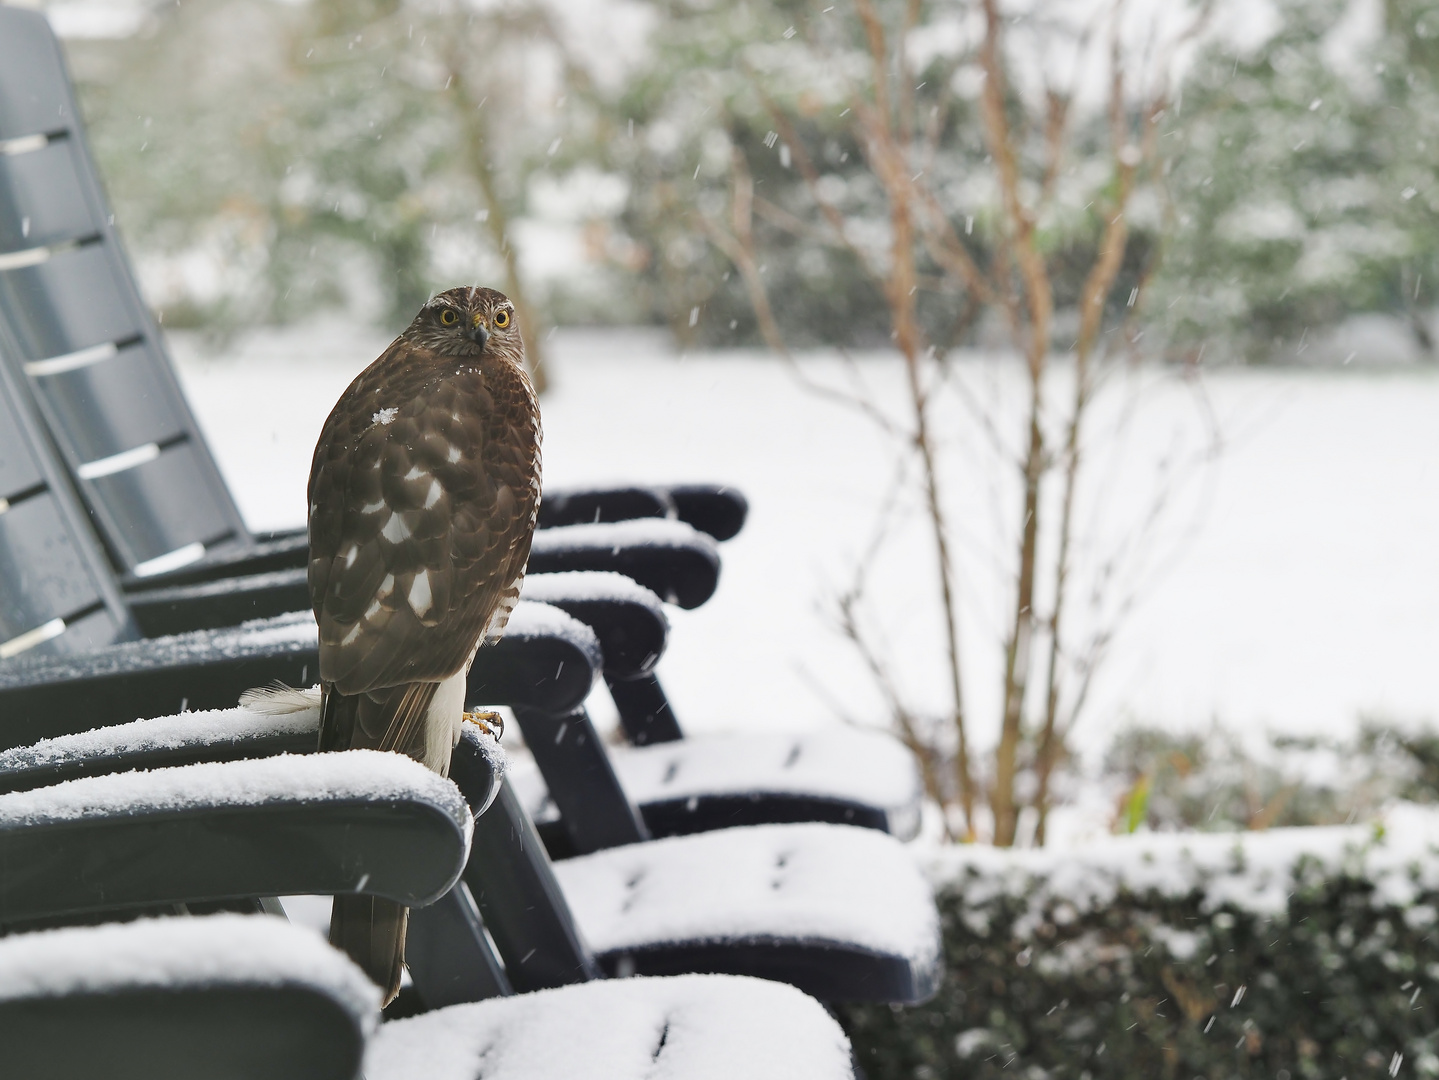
(703, 782)
(692, 1027)
(843, 913)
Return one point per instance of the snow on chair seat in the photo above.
(684, 785)
(225, 997)
(692, 1027)
(839, 775)
(839, 912)
(357, 821)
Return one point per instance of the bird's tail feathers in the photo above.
(405, 731)
(277, 699)
(371, 932)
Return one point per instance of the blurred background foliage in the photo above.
(1214, 781)
(355, 156)
(1303, 183)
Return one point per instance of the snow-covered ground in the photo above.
(1305, 590)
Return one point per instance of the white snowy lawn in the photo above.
(1307, 593)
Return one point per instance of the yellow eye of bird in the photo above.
(449, 316)
(502, 319)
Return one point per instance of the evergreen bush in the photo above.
(1303, 952)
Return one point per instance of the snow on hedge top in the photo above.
(580, 585)
(804, 883)
(293, 778)
(687, 1027)
(183, 953)
(1253, 871)
(641, 532)
(205, 728)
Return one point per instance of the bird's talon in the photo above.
(489, 721)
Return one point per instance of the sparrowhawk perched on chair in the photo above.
(424, 492)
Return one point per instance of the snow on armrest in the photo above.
(182, 953)
(590, 585)
(295, 631)
(354, 775)
(358, 821)
(680, 563)
(638, 533)
(215, 734)
(44, 697)
(628, 618)
(532, 620)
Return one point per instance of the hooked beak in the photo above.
(477, 333)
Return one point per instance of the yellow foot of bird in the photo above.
(490, 722)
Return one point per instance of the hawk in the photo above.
(424, 491)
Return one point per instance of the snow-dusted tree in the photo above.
(1303, 182)
(906, 169)
(350, 154)
(716, 78)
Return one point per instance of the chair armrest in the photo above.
(584, 506)
(212, 605)
(677, 562)
(236, 734)
(711, 508)
(279, 551)
(358, 821)
(545, 653)
(715, 509)
(45, 697)
(628, 619)
(546, 659)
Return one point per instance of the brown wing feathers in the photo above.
(421, 541)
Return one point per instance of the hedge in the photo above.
(1303, 952)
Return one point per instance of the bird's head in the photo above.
(469, 321)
